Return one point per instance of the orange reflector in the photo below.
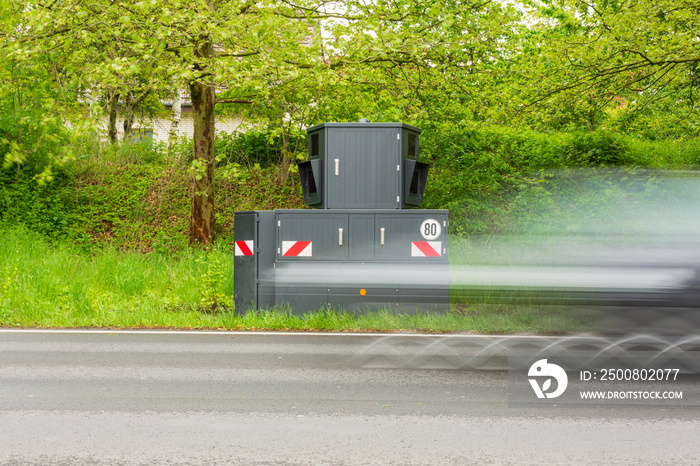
(363, 292)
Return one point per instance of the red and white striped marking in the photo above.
(244, 248)
(296, 248)
(426, 248)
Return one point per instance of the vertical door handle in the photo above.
(340, 236)
(337, 167)
(381, 236)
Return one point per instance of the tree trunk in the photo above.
(112, 110)
(591, 120)
(129, 104)
(203, 96)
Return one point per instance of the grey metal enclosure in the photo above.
(363, 166)
(360, 248)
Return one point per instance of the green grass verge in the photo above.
(56, 284)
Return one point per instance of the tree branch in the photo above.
(237, 55)
(142, 96)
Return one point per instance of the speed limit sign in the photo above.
(430, 229)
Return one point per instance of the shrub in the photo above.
(484, 174)
(253, 147)
(597, 148)
(32, 145)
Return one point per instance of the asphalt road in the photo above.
(175, 398)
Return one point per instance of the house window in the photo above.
(142, 134)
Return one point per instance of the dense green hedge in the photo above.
(137, 196)
(483, 174)
(42, 208)
(30, 142)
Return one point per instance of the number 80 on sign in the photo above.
(430, 229)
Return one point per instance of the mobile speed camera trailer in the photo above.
(359, 247)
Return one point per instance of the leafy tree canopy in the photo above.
(587, 60)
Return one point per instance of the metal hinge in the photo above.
(398, 136)
(398, 168)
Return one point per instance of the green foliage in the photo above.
(483, 175)
(264, 148)
(597, 148)
(42, 208)
(36, 134)
(136, 196)
(609, 204)
(216, 284)
(679, 154)
(77, 288)
(31, 185)
(477, 173)
(629, 66)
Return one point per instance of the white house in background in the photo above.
(158, 128)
